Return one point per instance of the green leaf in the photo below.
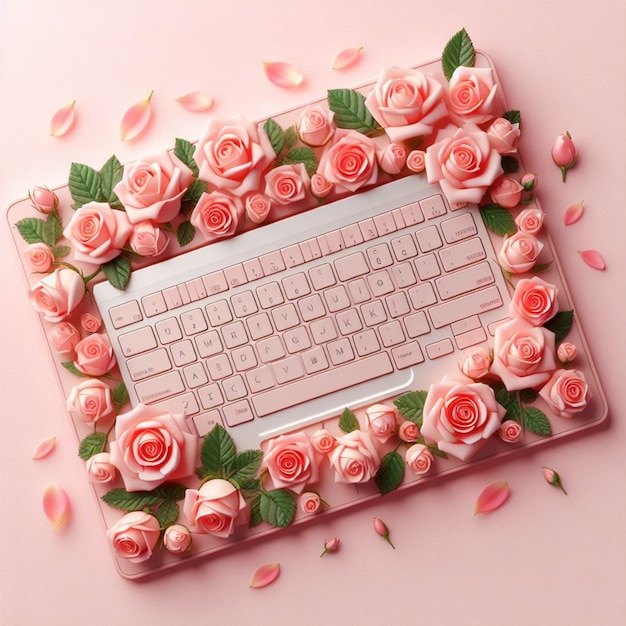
(390, 473)
(124, 500)
(348, 421)
(510, 401)
(458, 51)
(94, 443)
(561, 324)
(61, 251)
(255, 509)
(70, 367)
(52, 230)
(513, 116)
(251, 485)
(291, 137)
(275, 134)
(185, 233)
(118, 271)
(170, 491)
(528, 396)
(31, 229)
(350, 110)
(498, 220)
(185, 150)
(120, 394)
(246, 465)
(301, 155)
(218, 452)
(411, 406)
(536, 421)
(195, 190)
(277, 507)
(167, 513)
(510, 164)
(84, 184)
(111, 174)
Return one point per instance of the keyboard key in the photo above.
(352, 235)
(210, 396)
(465, 306)
(235, 275)
(407, 355)
(433, 207)
(193, 322)
(137, 341)
(465, 280)
(351, 266)
(269, 295)
(366, 343)
(416, 324)
(234, 334)
(183, 353)
(205, 422)
(412, 214)
(195, 375)
(368, 229)
(272, 263)
(340, 351)
(234, 388)
(359, 291)
(253, 269)
(159, 387)
(462, 254)
(288, 369)
(314, 360)
(244, 358)
(260, 379)
(428, 239)
(168, 330)
(439, 348)
(125, 314)
(349, 322)
(244, 304)
(154, 304)
(379, 256)
(285, 317)
(219, 366)
(270, 349)
(238, 413)
(219, 313)
(385, 223)
(292, 256)
(422, 295)
(404, 247)
(322, 276)
(185, 403)
(208, 344)
(215, 282)
(427, 266)
(470, 338)
(323, 330)
(337, 299)
(397, 304)
(297, 340)
(331, 242)
(391, 334)
(458, 228)
(259, 326)
(380, 283)
(373, 313)
(296, 286)
(149, 364)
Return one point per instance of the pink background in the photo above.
(543, 558)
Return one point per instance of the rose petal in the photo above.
(573, 213)
(63, 120)
(593, 259)
(196, 101)
(56, 505)
(283, 74)
(44, 448)
(346, 58)
(492, 497)
(265, 575)
(136, 118)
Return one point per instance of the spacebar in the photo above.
(322, 384)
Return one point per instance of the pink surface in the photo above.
(544, 557)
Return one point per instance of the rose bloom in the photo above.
(419, 458)
(349, 162)
(90, 401)
(291, 461)
(534, 300)
(416, 161)
(392, 158)
(233, 154)
(530, 220)
(460, 415)
(134, 536)
(463, 162)
(217, 215)
(100, 468)
(503, 136)
(566, 352)
(152, 188)
(566, 393)
(506, 192)
(316, 125)
(519, 252)
(310, 502)
(381, 421)
(39, 257)
(177, 539)
(320, 187)
(152, 446)
(216, 508)
(148, 240)
(406, 103)
(355, 458)
(475, 364)
(97, 232)
(287, 183)
(523, 354)
(93, 355)
(64, 337)
(510, 431)
(44, 200)
(90, 322)
(56, 295)
(323, 441)
(257, 208)
(471, 93)
(408, 431)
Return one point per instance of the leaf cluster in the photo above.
(285, 148)
(47, 231)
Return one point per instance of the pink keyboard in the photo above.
(335, 309)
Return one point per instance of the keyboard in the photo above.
(287, 325)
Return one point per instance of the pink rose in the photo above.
(316, 125)
(323, 441)
(564, 153)
(476, 363)
(503, 136)
(392, 158)
(44, 200)
(472, 93)
(566, 393)
(216, 508)
(148, 240)
(419, 458)
(506, 192)
(510, 431)
(177, 539)
(529, 181)
(94, 356)
(58, 294)
(233, 154)
(530, 220)
(355, 458)
(291, 461)
(310, 502)
(90, 322)
(460, 416)
(381, 421)
(519, 252)
(349, 163)
(406, 103)
(134, 536)
(523, 354)
(39, 257)
(152, 188)
(566, 352)
(217, 215)
(408, 431)
(152, 446)
(258, 208)
(463, 162)
(64, 337)
(320, 187)
(534, 300)
(90, 401)
(416, 161)
(287, 183)
(100, 468)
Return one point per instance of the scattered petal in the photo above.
(381, 528)
(56, 505)
(136, 118)
(197, 101)
(492, 497)
(346, 58)
(593, 259)
(553, 478)
(283, 74)
(63, 120)
(265, 575)
(331, 545)
(44, 448)
(573, 213)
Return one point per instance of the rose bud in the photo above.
(529, 181)
(177, 539)
(564, 153)
(330, 545)
(553, 478)
(381, 528)
(43, 199)
(566, 352)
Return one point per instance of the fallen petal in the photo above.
(346, 58)
(593, 259)
(56, 505)
(573, 213)
(63, 120)
(265, 575)
(492, 497)
(196, 101)
(283, 74)
(136, 118)
(44, 448)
